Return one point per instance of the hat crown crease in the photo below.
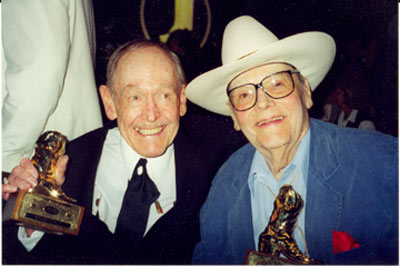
(243, 37)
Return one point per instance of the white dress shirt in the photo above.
(114, 171)
(117, 163)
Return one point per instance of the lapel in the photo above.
(191, 176)
(191, 190)
(182, 162)
(98, 143)
(324, 203)
(240, 222)
(84, 153)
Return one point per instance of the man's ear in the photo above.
(233, 116)
(182, 101)
(108, 102)
(306, 96)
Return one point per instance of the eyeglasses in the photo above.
(277, 86)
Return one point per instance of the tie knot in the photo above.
(141, 166)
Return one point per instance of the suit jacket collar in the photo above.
(322, 198)
(190, 177)
(242, 236)
(85, 153)
(324, 148)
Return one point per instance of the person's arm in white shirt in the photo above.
(367, 125)
(36, 46)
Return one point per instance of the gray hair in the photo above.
(136, 45)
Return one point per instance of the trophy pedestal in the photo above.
(258, 258)
(44, 213)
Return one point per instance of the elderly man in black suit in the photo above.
(145, 93)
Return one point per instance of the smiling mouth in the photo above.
(149, 131)
(263, 122)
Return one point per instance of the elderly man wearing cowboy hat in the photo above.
(347, 178)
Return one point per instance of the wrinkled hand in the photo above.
(25, 176)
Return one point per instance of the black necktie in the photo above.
(140, 194)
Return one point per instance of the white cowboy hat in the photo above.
(247, 43)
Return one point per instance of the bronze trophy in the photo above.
(277, 238)
(46, 207)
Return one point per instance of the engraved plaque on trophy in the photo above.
(277, 237)
(46, 207)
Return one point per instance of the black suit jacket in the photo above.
(202, 144)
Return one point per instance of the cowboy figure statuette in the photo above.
(277, 237)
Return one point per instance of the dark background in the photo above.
(352, 23)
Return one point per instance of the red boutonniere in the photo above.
(342, 242)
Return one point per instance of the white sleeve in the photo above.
(36, 45)
(29, 242)
(367, 125)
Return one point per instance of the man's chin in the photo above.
(152, 153)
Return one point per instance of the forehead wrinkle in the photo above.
(144, 74)
(129, 86)
(156, 87)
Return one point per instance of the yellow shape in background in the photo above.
(183, 18)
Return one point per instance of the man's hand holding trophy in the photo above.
(45, 206)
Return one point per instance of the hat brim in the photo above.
(312, 53)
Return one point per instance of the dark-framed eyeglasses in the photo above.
(277, 86)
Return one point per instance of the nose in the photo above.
(263, 100)
(152, 112)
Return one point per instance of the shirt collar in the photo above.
(155, 166)
(353, 115)
(351, 118)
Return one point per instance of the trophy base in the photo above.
(40, 212)
(258, 258)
